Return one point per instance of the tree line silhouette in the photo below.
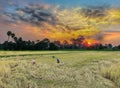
(18, 43)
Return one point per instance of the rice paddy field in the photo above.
(77, 69)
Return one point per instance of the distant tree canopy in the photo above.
(17, 43)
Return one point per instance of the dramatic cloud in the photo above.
(94, 12)
(56, 23)
(33, 13)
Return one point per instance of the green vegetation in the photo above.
(78, 69)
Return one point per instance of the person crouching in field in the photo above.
(33, 62)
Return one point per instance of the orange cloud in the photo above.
(111, 37)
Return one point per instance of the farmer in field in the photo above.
(33, 62)
(57, 59)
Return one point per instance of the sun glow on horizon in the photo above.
(90, 42)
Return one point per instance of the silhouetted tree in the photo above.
(118, 46)
(46, 44)
(12, 35)
(9, 34)
(43, 44)
(101, 47)
(15, 39)
(53, 46)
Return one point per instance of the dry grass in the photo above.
(112, 73)
(80, 69)
(25, 75)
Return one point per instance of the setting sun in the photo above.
(89, 42)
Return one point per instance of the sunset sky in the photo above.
(61, 19)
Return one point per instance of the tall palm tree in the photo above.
(9, 34)
(13, 35)
(15, 39)
(20, 39)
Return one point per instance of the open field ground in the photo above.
(77, 69)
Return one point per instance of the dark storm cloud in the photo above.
(94, 12)
(33, 13)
